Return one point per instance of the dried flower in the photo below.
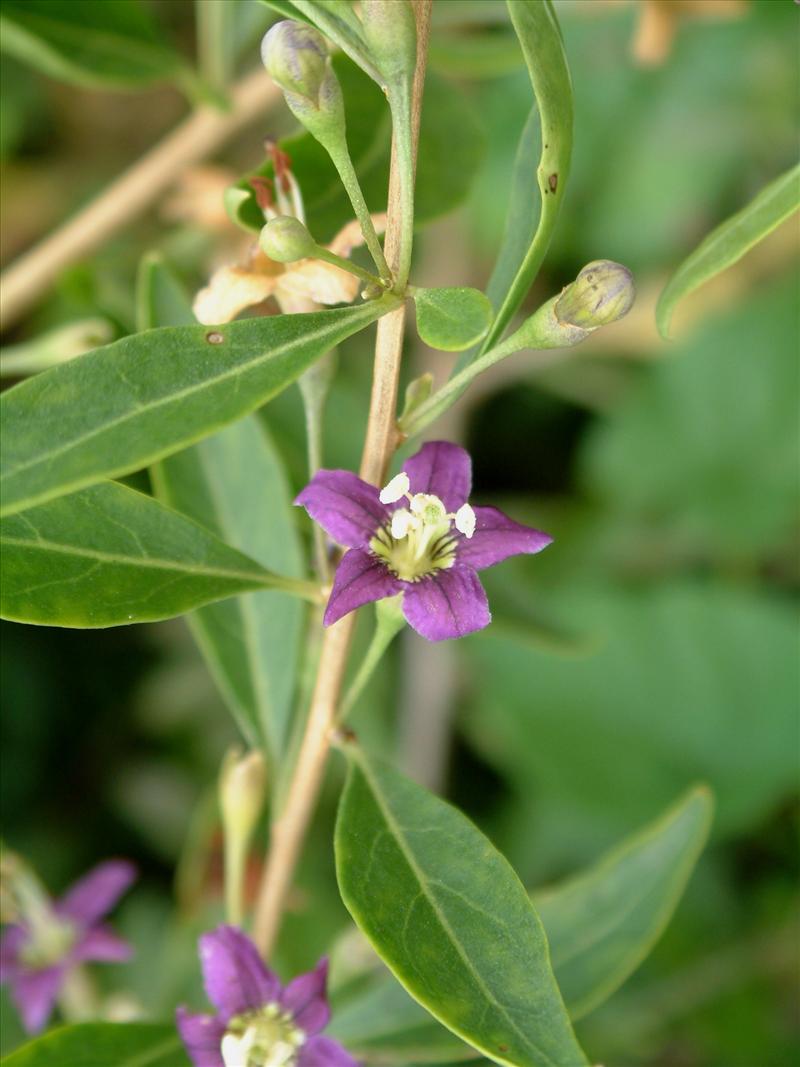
(259, 1022)
(418, 537)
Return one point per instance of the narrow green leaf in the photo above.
(89, 42)
(121, 407)
(108, 555)
(104, 1045)
(252, 642)
(249, 642)
(602, 924)
(452, 319)
(730, 241)
(531, 220)
(447, 914)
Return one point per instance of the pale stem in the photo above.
(289, 829)
(202, 133)
(213, 23)
(235, 860)
(386, 629)
(77, 999)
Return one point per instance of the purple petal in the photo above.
(34, 993)
(92, 896)
(496, 538)
(451, 603)
(347, 508)
(202, 1035)
(234, 974)
(14, 937)
(360, 578)
(102, 945)
(443, 469)
(305, 998)
(324, 1052)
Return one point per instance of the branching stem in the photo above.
(289, 828)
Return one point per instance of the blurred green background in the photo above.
(652, 646)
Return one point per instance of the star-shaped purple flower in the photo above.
(38, 952)
(418, 536)
(258, 1021)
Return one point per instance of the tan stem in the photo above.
(202, 133)
(289, 829)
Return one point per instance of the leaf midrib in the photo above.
(423, 882)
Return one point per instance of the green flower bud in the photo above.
(242, 789)
(296, 57)
(602, 293)
(390, 30)
(285, 239)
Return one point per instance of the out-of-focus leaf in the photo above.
(54, 347)
(475, 55)
(727, 405)
(108, 555)
(96, 43)
(385, 1025)
(104, 1045)
(730, 241)
(447, 914)
(599, 742)
(118, 408)
(250, 642)
(601, 924)
(450, 151)
(523, 246)
(452, 319)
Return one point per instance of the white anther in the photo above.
(398, 487)
(465, 520)
(402, 521)
(236, 1050)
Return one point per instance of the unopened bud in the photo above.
(296, 57)
(242, 789)
(390, 31)
(602, 293)
(285, 240)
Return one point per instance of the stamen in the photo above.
(402, 521)
(465, 520)
(398, 487)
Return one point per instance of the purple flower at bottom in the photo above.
(259, 1022)
(52, 937)
(417, 536)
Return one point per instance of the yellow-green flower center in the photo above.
(418, 541)
(264, 1038)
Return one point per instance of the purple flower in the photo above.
(418, 536)
(259, 1022)
(52, 937)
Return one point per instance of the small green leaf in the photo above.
(89, 42)
(121, 407)
(104, 1045)
(602, 924)
(531, 220)
(447, 914)
(108, 555)
(452, 319)
(730, 241)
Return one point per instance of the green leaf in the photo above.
(104, 1045)
(447, 914)
(450, 152)
(250, 642)
(523, 249)
(602, 923)
(109, 555)
(730, 241)
(452, 319)
(92, 43)
(121, 407)
(384, 1025)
